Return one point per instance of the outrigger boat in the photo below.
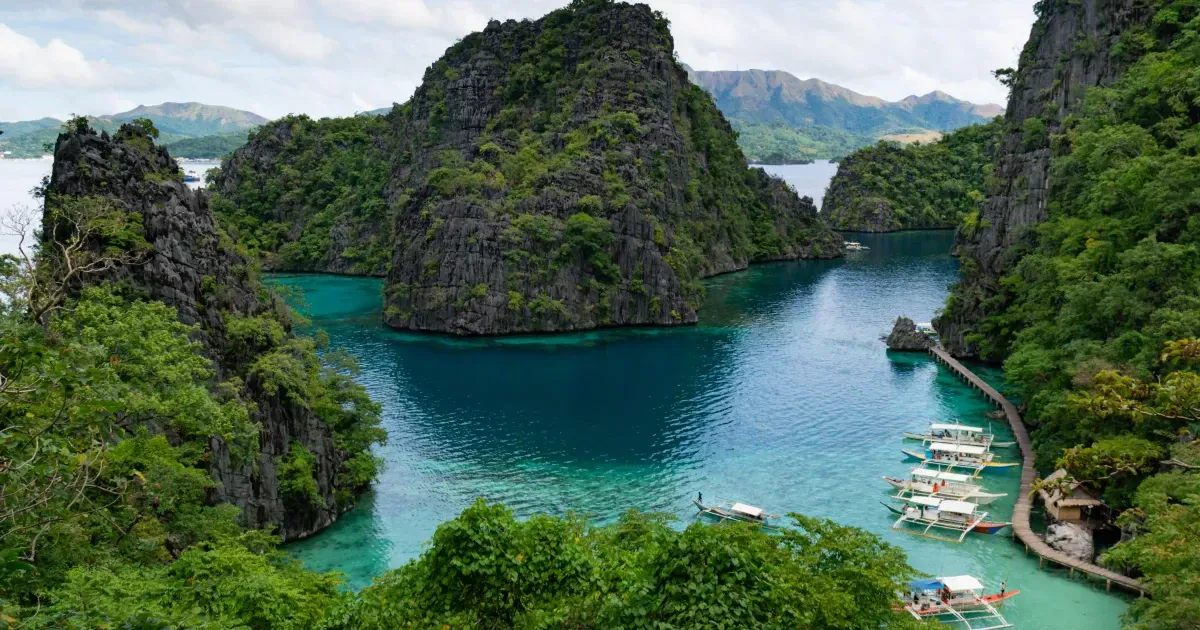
(957, 434)
(951, 456)
(734, 511)
(941, 484)
(958, 516)
(957, 600)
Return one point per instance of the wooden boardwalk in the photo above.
(1020, 517)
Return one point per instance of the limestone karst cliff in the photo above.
(314, 424)
(1073, 46)
(549, 175)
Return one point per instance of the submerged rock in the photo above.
(906, 337)
(1072, 540)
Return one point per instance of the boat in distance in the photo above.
(736, 511)
(954, 433)
(941, 484)
(957, 600)
(932, 513)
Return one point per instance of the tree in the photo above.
(486, 569)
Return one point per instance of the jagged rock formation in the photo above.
(1070, 49)
(906, 337)
(1072, 540)
(193, 268)
(553, 175)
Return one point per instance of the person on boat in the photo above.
(699, 497)
(1003, 585)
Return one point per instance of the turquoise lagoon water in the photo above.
(782, 396)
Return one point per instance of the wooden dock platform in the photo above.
(1020, 517)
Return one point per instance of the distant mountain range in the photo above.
(224, 128)
(781, 116)
(780, 119)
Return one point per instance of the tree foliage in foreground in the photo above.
(485, 569)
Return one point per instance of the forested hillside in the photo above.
(1083, 274)
(217, 126)
(781, 118)
(888, 187)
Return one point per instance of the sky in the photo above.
(337, 57)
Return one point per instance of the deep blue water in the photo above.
(783, 396)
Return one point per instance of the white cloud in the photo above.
(27, 64)
(457, 18)
(291, 42)
(332, 57)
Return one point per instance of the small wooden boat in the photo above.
(958, 516)
(962, 456)
(942, 484)
(957, 600)
(957, 434)
(734, 511)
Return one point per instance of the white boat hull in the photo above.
(927, 437)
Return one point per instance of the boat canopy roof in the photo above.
(928, 501)
(957, 507)
(927, 584)
(937, 426)
(940, 474)
(748, 510)
(965, 449)
(961, 583)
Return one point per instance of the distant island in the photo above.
(191, 130)
(888, 187)
(781, 118)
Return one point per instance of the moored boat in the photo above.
(932, 513)
(735, 511)
(941, 484)
(962, 456)
(954, 433)
(958, 600)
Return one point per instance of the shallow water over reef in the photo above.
(782, 396)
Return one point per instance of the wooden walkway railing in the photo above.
(1020, 517)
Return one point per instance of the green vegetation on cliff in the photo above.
(301, 178)
(144, 370)
(548, 175)
(1097, 317)
(889, 187)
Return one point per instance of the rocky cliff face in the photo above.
(1070, 49)
(906, 338)
(550, 175)
(563, 174)
(193, 268)
(851, 205)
